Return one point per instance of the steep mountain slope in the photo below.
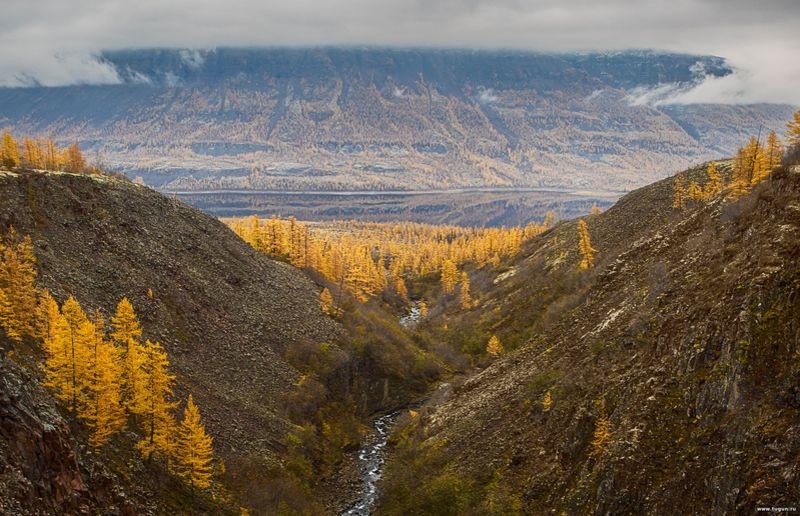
(682, 343)
(342, 119)
(223, 312)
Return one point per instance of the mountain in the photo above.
(664, 380)
(390, 119)
(238, 327)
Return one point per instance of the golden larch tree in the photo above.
(774, 151)
(32, 155)
(9, 151)
(793, 130)
(75, 161)
(494, 347)
(547, 400)
(713, 183)
(78, 337)
(449, 276)
(585, 246)
(596, 209)
(678, 187)
(127, 332)
(17, 284)
(602, 435)
(126, 323)
(465, 299)
(56, 349)
(400, 288)
(740, 180)
(46, 311)
(194, 450)
(103, 413)
(694, 192)
(157, 420)
(326, 301)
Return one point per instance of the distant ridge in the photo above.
(331, 118)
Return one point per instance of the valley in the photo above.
(363, 339)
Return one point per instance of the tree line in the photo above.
(42, 154)
(753, 163)
(108, 377)
(369, 258)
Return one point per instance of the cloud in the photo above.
(192, 58)
(487, 96)
(53, 42)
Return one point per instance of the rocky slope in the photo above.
(684, 338)
(377, 119)
(224, 313)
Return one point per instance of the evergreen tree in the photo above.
(494, 347)
(194, 452)
(585, 246)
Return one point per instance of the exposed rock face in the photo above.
(222, 311)
(40, 470)
(685, 337)
(377, 119)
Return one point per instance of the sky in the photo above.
(56, 42)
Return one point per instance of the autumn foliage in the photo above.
(369, 258)
(103, 378)
(41, 154)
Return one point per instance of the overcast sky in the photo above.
(53, 42)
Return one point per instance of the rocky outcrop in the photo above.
(41, 468)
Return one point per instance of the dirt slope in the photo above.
(685, 337)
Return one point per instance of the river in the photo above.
(371, 460)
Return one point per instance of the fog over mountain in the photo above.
(57, 43)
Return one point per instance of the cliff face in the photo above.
(684, 339)
(43, 468)
(223, 312)
(343, 119)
